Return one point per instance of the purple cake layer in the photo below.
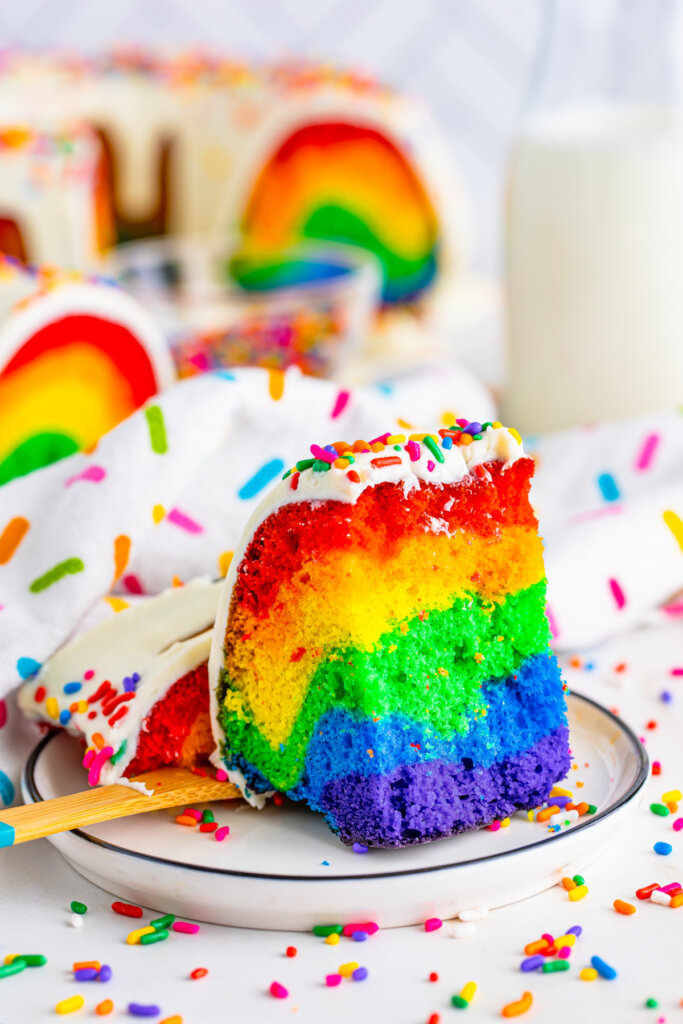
(435, 799)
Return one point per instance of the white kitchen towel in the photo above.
(165, 494)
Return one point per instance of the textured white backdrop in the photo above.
(468, 58)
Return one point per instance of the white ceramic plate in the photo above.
(282, 868)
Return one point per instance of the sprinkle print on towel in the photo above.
(122, 545)
(608, 487)
(179, 518)
(157, 429)
(617, 594)
(340, 403)
(675, 524)
(261, 478)
(68, 567)
(93, 473)
(646, 454)
(11, 537)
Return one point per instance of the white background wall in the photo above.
(468, 58)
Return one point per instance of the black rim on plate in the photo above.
(31, 788)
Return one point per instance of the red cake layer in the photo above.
(296, 533)
(177, 730)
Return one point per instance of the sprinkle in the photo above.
(588, 974)
(551, 966)
(532, 962)
(163, 922)
(677, 900)
(660, 809)
(565, 940)
(608, 487)
(186, 927)
(672, 796)
(76, 920)
(661, 897)
(155, 935)
(651, 1004)
(646, 891)
(518, 1008)
(78, 908)
(578, 893)
(432, 923)
(70, 1005)
(11, 537)
(143, 1010)
(198, 972)
(29, 959)
(15, 967)
(369, 927)
(675, 524)
(646, 453)
(473, 914)
(261, 478)
(222, 833)
(69, 566)
(603, 969)
(184, 522)
(332, 940)
(105, 973)
(104, 1008)
(413, 450)
(323, 930)
(617, 593)
(579, 879)
(353, 476)
(175, 1019)
(463, 929)
(386, 460)
(157, 429)
(85, 974)
(278, 991)
(663, 849)
(623, 908)
(536, 947)
(291, 951)
(433, 976)
(361, 848)
(466, 995)
(332, 980)
(97, 764)
(346, 970)
(359, 936)
(221, 776)
(134, 937)
(185, 819)
(677, 825)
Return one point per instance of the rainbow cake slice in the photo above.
(134, 688)
(381, 645)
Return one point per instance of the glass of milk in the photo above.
(594, 218)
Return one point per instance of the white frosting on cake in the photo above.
(161, 639)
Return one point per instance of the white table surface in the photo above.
(36, 887)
